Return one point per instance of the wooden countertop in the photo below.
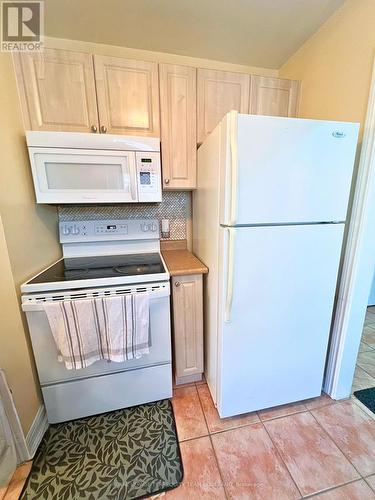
(182, 261)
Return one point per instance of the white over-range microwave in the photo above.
(72, 167)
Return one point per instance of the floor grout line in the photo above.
(281, 458)
(372, 488)
(226, 493)
(332, 439)
(369, 374)
(282, 416)
(333, 488)
(369, 349)
(363, 407)
(242, 426)
(212, 446)
(202, 435)
(192, 438)
(359, 366)
(370, 325)
(230, 428)
(201, 405)
(336, 444)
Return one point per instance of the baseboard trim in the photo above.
(37, 431)
(19, 440)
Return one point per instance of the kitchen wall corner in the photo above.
(28, 242)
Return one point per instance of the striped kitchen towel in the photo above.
(111, 328)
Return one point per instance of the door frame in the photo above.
(357, 268)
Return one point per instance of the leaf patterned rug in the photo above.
(124, 454)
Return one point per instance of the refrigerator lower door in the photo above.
(275, 309)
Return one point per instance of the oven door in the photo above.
(83, 176)
(51, 371)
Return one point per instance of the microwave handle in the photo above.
(133, 177)
(132, 185)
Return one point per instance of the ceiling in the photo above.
(251, 32)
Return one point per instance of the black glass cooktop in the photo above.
(111, 266)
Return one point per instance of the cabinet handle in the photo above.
(177, 284)
(103, 129)
(94, 128)
(166, 181)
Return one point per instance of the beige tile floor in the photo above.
(319, 448)
(314, 449)
(12, 492)
(364, 376)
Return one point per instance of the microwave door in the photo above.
(83, 176)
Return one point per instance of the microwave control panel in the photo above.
(148, 176)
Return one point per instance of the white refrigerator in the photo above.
(268, 220)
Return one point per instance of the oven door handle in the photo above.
(29, 306)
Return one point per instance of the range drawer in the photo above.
(81, 398)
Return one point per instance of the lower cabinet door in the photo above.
(188, 325)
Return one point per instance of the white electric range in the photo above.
(102, 258)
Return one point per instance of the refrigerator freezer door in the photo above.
(287, 170)
(275, 314)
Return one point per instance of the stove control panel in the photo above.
(111, 229)
(107, 230)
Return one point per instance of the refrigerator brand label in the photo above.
(338, 134)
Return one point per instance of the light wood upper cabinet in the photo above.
(187, 297)
(128, 96)
(178, 126)
(273, 96)
(57, 90)
(218, 93)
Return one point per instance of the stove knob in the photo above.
(75, 230)
(145, 227)
(65, 230)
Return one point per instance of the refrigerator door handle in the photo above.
(230, 274)
(233, 128)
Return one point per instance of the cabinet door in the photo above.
(273, 96)
(57, 90)
(218, 93)
(128, 96)
(188, 324)
(178, 126)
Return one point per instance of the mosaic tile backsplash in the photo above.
(176, 206)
